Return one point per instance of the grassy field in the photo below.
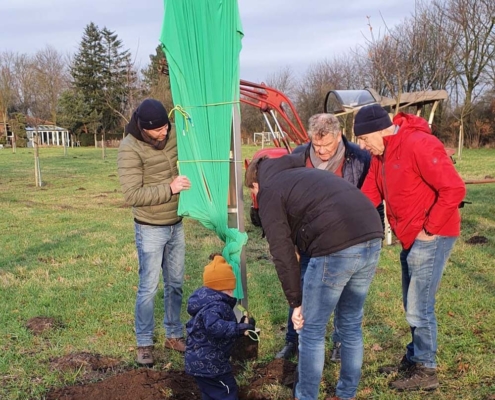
(67, 251)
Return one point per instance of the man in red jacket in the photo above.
(411, 171)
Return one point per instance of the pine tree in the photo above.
(103, 74)
(157, 80)
(119, 80)
(87, 69)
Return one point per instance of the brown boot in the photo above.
(177, 344)
(404, 366)
(145, 356)
(419, 378)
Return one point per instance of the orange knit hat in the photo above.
(218, 275)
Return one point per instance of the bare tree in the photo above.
(7, 93)
(51, 80)
(284, 81)
(473, 22)
(318, 80)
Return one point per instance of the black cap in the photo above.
(369, 119)
(151, 114)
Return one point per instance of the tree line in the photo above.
(92, 92)
(444, 44)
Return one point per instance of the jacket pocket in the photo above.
(304, 238)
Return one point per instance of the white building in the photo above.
(48, 135)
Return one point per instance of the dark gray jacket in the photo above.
(318, 212)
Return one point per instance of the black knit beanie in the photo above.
(151, 114)
(369, 119)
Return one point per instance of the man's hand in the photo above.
(422, 235)
(179, 184)
(297, 318)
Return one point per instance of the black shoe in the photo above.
(289, 351)
(335, 355)
(404, 366)
(419, 378)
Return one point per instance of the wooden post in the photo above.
(103, 155)
(236, 206)
(37, 170)
(461, 140)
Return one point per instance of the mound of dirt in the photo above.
(150, 384)
(477, 240)
(38, 325)
(139, 384)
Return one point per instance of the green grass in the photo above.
(67, 251)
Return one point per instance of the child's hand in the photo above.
(250, 320)
(243, 329)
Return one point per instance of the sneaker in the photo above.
(177, 344)
(419, 378)
(335, 355)
(145, 356)
(404, 366)
(289, 351)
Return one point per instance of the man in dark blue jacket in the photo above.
(330, 151)
(333, 223)
(212, 331)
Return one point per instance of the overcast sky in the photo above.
(277, 33)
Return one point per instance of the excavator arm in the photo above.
(271, 103)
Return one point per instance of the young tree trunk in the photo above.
(37, 170)
(103, 155)
(461, 140)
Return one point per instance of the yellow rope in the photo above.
(196, 161)
(187, 118)
(185, 115)
(215, 104)
(255, 337)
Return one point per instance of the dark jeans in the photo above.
(291, 335)
(223, 387)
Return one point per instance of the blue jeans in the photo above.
(291, 334)
(422, 269)
(160, 248)
(338, 281)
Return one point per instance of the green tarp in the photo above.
(202, 42)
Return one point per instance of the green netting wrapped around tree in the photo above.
(202, 42)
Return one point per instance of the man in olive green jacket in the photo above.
(147, 165)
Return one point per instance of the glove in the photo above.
(250, 320)
(242, 328)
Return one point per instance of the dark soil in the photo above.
(38, 325)
(150, 384)
(477, 240)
